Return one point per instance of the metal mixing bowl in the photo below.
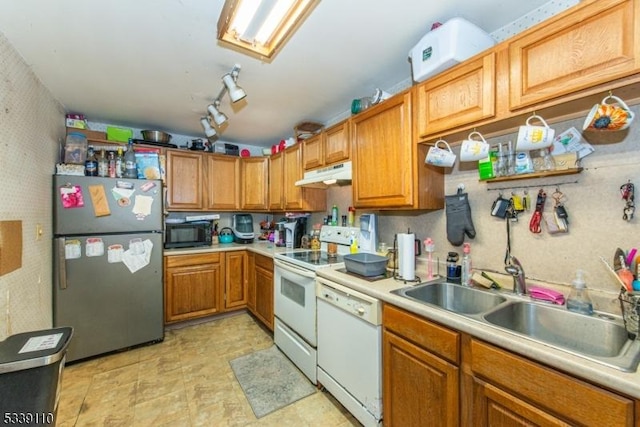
(155, 136)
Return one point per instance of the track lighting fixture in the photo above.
(208, 130)
(236, 93)
(218, 117)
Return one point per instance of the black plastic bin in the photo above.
(31, 365)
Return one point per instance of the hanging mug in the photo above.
(473, 149)
(609, 117)
(532, 137)
(440, 156)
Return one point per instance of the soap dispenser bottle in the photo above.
(578, 299)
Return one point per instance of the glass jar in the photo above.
(315, 238)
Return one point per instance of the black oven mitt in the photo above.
(459, 220)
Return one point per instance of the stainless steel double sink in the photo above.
(602, 339)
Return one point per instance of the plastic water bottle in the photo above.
(130, 168)
(466, 265)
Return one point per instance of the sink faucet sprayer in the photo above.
(515, 269)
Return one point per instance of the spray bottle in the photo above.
(466, 265)
(429, 247)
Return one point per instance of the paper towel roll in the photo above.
(407, 256)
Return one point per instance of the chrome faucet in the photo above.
(515, 269)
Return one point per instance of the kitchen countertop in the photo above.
(623, 382)
(261, 247)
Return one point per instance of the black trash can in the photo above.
(31, 365)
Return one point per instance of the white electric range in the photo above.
(295, 295)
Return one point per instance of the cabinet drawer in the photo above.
(435, 338)
(195, 259)
(549, 389)
(264, 262)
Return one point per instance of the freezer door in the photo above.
(108, 306)
(92, 205)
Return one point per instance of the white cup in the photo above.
(532, 137)
(443, 157)
(609, 117)
(473, 149)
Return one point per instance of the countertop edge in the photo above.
(627, 383)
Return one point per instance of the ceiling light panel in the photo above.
(261, 27)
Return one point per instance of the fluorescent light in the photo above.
(261, 26)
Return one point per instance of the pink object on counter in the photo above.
(545, 294)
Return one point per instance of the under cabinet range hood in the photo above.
(339, 174)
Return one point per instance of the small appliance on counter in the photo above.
(294, 230)
(280, 235)
(368, 233)
(243, 228)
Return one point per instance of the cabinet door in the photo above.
(458, 97)
(313, 156)
(383, 164)
(552, 392)
(235, 283)
(337, 145)
(264, 290)
(419, 387)
(184, 180)
(255, 180)
(192, 286)
(223, 182)
(292, 173)
(276, 182)
(595, 44)
(498, 408)
(251, 282)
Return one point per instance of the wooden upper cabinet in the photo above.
(255, 179)
(313, 152)
(184, 180)
(222, 182)
(388, 167)
(299, 198)
(276, 181)
(462, 96)
(598, 42)
(328, 147)
(337, 144)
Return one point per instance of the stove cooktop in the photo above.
(311, 259)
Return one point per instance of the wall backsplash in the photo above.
(592, 200)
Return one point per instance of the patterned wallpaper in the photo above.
(31, 128)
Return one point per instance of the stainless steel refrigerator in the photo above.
(108, 276)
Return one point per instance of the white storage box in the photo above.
(449, 44)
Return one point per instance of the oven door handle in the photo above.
(293, 269)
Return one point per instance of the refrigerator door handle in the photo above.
(62, 263)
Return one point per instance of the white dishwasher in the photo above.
(349, 349)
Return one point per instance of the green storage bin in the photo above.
(119, 134)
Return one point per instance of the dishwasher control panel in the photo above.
(358, 304)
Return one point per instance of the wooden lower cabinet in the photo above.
(235, 280)
(436, 376)
(511, 390)
(193, 286)
(260, 301)
(420, 373)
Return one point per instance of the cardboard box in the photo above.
(148, 164)
(90, 134)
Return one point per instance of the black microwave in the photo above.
(188, 234)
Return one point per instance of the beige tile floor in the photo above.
(184, 381)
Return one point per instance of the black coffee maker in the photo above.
(295, 229)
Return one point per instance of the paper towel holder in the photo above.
(417, 252)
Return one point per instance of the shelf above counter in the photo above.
(533, 175)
